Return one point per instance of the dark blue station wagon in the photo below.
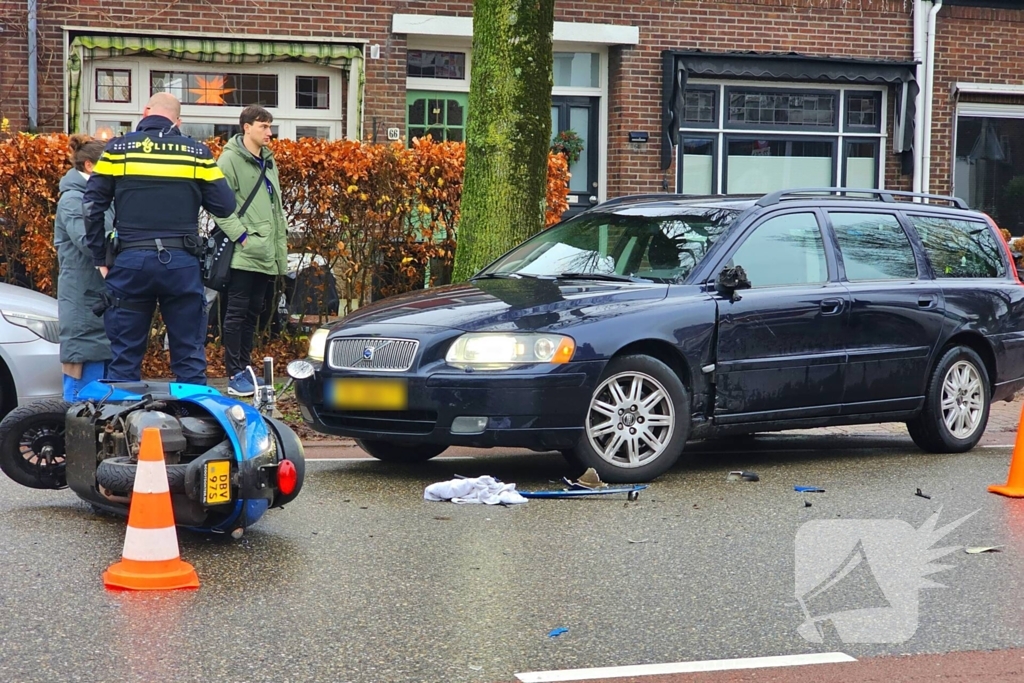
(617, 336)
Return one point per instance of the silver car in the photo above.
(29, 348)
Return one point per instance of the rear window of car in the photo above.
(873, 246)
(959, 248)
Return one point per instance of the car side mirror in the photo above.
(732, 279)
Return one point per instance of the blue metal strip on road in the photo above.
(683, 667)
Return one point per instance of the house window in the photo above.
(312, 92)
(699, 108)
(437, 114)
(217, 89)
(434, 64)
(742, 139)
(765, 108)
(989, 166)
(113, 85)
(305, 100)
(577, 70)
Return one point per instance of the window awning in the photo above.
(205, 51)
(678, 66)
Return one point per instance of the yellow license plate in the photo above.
(368, 394)
(218, 482)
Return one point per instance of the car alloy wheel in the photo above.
(963, 400)
(631, 419)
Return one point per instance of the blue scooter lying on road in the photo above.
(92, 446)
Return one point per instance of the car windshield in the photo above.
(662, 247)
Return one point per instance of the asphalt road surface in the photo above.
(362, 580)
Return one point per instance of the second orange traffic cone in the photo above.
(150, 560)
(1014, 486)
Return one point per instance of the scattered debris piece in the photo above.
(557, 632)
(631, 491)
(642, 540)
(742, 475)
(590, 479)
(475, 668)
(922, 495)
(441, 518)
(984, 549)
(807, 503)
(808, 489)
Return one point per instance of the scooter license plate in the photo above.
(218, 482)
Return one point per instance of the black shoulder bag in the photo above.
(220, 248)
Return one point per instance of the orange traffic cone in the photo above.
(150, 559)
(1014, 486)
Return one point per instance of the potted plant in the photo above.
(569, 143)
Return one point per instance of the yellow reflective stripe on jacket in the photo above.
(156, 165)
(110, 164)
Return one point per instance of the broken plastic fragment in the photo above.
(922, 495)
(557, 632)
(808, 489)
(743, 475)
(984, 549)
(590, 479)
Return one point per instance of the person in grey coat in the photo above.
(84, 348)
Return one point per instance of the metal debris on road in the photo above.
(742, 475)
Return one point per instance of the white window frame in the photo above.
(719, 131)
(287, 117)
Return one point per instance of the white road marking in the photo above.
(683, 667)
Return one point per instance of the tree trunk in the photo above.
(508, 130)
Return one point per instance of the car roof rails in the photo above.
(883, 195)
(629, 198)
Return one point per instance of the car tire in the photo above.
(32, 444)
(389, 451)
(610, 456)
(118, 475)
(956, 404)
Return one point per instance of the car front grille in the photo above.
(373, 353)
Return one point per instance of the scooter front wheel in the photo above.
(32, 444)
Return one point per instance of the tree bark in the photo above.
(508, 132)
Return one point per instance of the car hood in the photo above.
(497, 305)
(21, 300)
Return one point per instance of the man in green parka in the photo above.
(260, 236)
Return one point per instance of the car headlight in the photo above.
(318, 344)
(499, 351)
(43, 325)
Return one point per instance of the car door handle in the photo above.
(831, 306)
(926, 302)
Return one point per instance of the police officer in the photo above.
(157, 179)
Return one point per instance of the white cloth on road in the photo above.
(487, 490)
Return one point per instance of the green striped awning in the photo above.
(209, 51)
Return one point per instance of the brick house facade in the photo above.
(739, 131)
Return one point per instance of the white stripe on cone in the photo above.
(151, 477)
(150, 545)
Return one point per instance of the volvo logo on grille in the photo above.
(368, 353)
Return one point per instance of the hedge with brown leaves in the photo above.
(379, 216)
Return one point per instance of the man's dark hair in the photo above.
(252, 114)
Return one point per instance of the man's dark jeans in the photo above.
(245, 295)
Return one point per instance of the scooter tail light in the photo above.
(287, 477)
